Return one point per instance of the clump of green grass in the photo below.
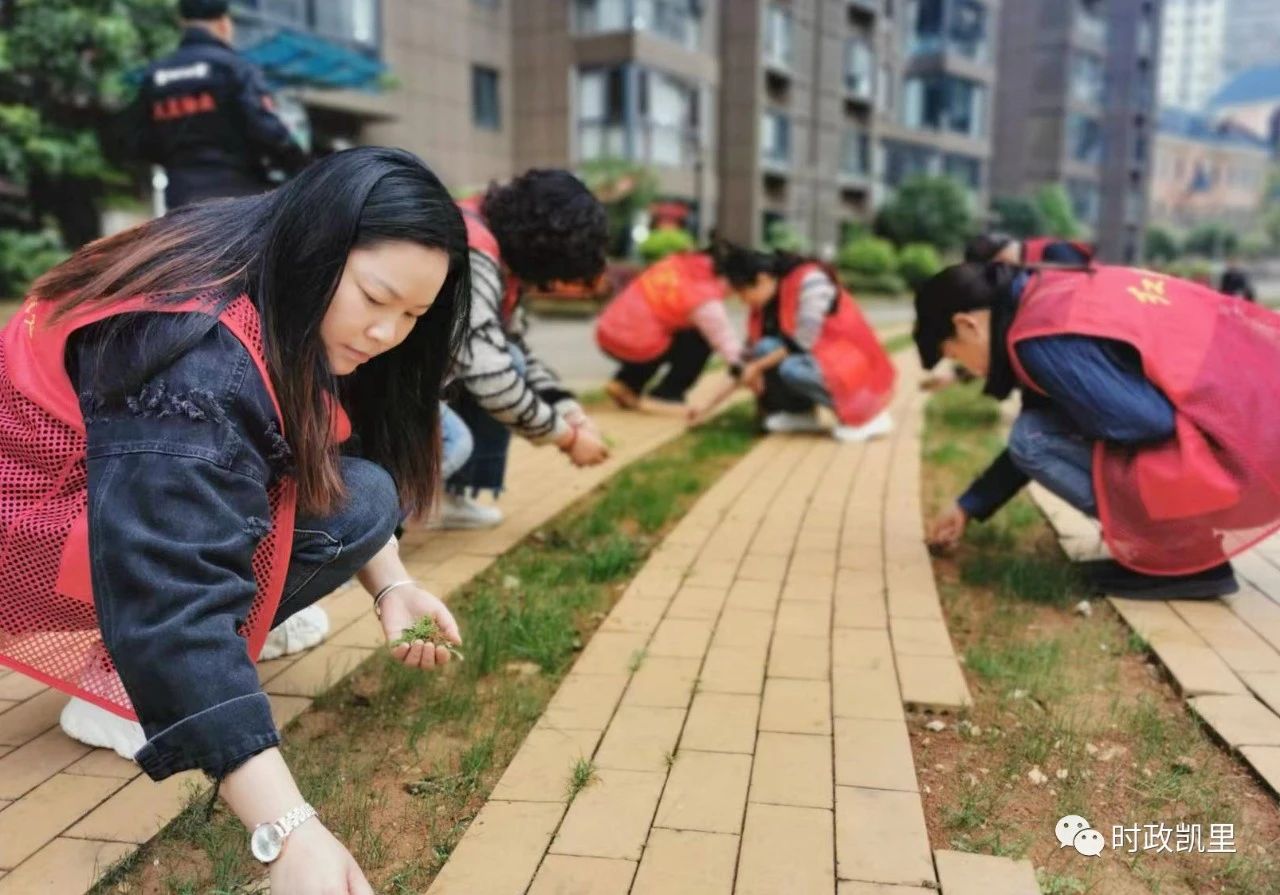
(426, 630)
(582, 776)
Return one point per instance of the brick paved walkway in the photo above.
(1223, 654)
(743, 703)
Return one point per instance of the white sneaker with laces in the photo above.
(876, 427)
(300, 631)
(95, 726)
(793, 422)
(458, 511)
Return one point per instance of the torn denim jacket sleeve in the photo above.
(178, 472)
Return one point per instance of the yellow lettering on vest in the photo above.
(30, 320)
(1151, 292)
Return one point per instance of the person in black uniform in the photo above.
(206, 116)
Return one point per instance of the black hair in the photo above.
(203, 10)
(955, 290)
(549, 227)
(985, 247)
(287, 250)
(742, 266)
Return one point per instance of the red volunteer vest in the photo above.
(1213, 489)
(481, 239)
(855, 366)
(639, 323)
(48, 626)
(1033, 249)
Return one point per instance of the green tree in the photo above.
(64, 78)
(917, 262)
(1056, 213)
(1162, 246)
(626, 190)
(1018, 216)
(927, 209)
(869, 264)
(783, 237)
(1212, 241)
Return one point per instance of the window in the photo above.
(352, 22)
(1084, 200)
(902, 161)
(855, 153)
(637, 114)
(485, 109)
(777, 36)
(602, 114)
(964, 170)
(1085, 78)
(858, 67)
(958, 26)
(775, 138)
(968, 29)
(1084, 138)
(944, 103)
(676, 20)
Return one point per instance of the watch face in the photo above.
(266, 842)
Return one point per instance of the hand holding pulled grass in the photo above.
(419, 627)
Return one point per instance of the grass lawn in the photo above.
(398, 762)
(1071, 714)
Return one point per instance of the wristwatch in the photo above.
(267, 840)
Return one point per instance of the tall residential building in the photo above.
(1252, 37)
(1193, 40)
(1070, 71)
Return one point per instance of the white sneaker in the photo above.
(300, 631)
(95, 726)
(793, 422)
(457, 511)
(874, 428)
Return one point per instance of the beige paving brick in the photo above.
(655, 584)
(920, 637)
(64, 866)
(793, 656)
(27, 720)
(104, 763)
(640, 738)
(747, 594)
(30, 765)
(1240, 720)
(1156, 622)
(743, 627)
(273, 668)
(39, 816)
(139, 810)
(721, 722)
(500, 852)
(808, 588)
(365, 632)
(861, 648)
(967, 874)
(932, 683)
(912, 592)
(1266, 761)
(681, 638)
(706, 791)
(16, 687)
(804, 618)
(1258, 611)
(718, 573)
(734, 669)
(610, 818)
(756, 567)
(785, 851)
(874, 754)
(792, 769)
(610, 652)
(1198, 670)
(852, 887)
(635, 615)
(346, 604)
(866, 693)
(285, 708)
(694, 602)
(541, 769)
(1266, 687)
(796, 706)
(1238, 645)
(586, 701)
(881, 837)
(318, 670)
(6, 704)
(663, 682)
(572, 875)
(687, 862)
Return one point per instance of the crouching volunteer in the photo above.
(809, 346)
(1134, 411)
(175, 402)
(670, 316)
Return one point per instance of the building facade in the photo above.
(1207, 43)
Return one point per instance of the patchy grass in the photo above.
(398, 762)
(1076, 699)
(582, 776)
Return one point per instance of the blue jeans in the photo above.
(1049, 448)
(486, 467)
(799, 375)
(456, 442)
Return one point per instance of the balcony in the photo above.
(778, 47)
(673, 20)
(775, 143)
(859, 71)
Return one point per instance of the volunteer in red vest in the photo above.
(206, 424)
(1033, 250)
(809, 346)
(1134, 411)
(541, 230)
(672, 315)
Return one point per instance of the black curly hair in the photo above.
(741, 266)
(549, 227)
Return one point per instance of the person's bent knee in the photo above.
(374, 503)
(763, 346)
(1026, 447)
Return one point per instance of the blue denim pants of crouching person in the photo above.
(798, 374)
(486, 468)
(1048, 447)
(456, 443)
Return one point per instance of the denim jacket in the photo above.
(179, 457)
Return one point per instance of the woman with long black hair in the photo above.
(206, 424)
